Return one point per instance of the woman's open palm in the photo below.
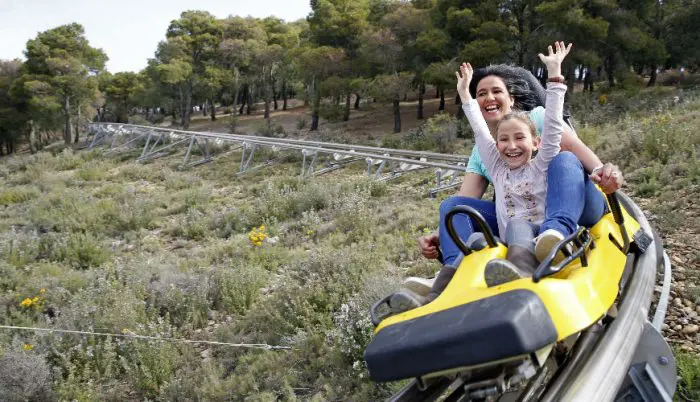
(463, 81)
(555, 57)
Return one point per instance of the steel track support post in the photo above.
(148, 142)
(245, 162)
(193, 139)
(207, 153)
(155, 144)
(370, 162)
(96, 137)
(111, 144)
(307, 170)
(378, 173)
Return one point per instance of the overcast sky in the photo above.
(127, 30)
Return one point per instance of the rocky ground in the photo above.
(681, 242)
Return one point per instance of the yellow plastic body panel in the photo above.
(575, 298)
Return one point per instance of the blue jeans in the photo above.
(572, 200)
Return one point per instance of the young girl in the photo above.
(520, 180)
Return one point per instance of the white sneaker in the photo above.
(418, 285)
(545, 242)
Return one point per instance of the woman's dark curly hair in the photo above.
(526, 90)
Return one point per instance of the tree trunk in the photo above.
(346, 113)
(314, 113)
(274, 100)
(588, 80)
(249, 101)
(244, 97)
(421, 95)
(357, 101)
(315, 107)
(442, 98)
(77, 125)
(32, 137)
(235, 92)
(188, 107)
(67, 133)
(609, 69)
(397, 116)
(284, 95)
(213, 112)
(652, 76)
(267, 108)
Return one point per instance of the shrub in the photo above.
(689, 372)
(236, 287)
(92, 171)
(150, 365)
(301, 123)
(181, 296)
(442, 130)
(332, 113)
(17, 195)
(81, 251)
(24, 375)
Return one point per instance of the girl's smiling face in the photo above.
(516, 142)
(493, 98)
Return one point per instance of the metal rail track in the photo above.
(159, 142)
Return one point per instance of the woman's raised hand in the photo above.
(463, 81)
(555, 57)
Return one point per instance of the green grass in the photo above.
(146, 248)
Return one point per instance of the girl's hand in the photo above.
(608, 177)
(464, 80)
(554, 58)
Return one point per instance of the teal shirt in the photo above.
(475, 164)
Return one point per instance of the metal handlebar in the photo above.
(480, 222)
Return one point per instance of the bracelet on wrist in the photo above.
(557, 78)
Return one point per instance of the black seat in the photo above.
(506, 325)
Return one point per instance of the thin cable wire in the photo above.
(131, 335)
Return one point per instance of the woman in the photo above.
(498, 89)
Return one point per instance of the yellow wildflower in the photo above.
(602, 100)
(257, 235)
(42, 291)
(26, 302)
(27, 346)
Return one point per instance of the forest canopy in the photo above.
(343, 50)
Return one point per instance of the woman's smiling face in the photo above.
(493, 97)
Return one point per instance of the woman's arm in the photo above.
(474, 186)
(570, 142)
(607, 176)
(485, 143)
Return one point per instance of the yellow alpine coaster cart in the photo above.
(575, 330)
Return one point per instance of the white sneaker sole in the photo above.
(420, 286)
